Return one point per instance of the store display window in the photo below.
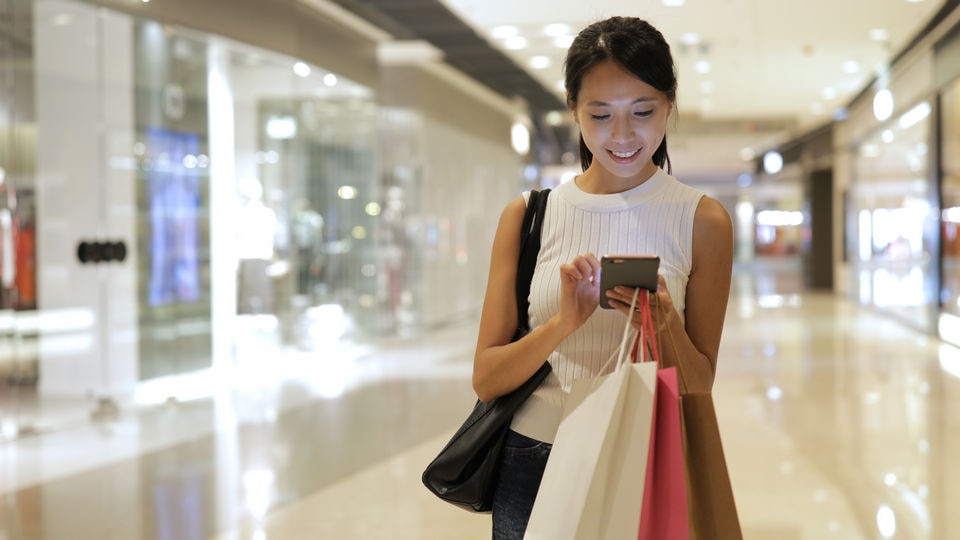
(950, 194)
(893, 245)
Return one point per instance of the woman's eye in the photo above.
(599, 116)
(643, 114)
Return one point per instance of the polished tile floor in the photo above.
(838, 423)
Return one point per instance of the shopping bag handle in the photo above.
(682, 383)
(627, 327)
(646, 339)
(620, 353)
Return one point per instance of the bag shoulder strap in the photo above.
(529, 248)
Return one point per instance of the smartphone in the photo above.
(630, 270)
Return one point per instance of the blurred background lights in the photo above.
(515, 43)
(772, 162)
(281, 127)
(556, 30)
(540, 62)
(883, 104)
(258, 485)
(914, 116)
(886, 521)
(301, 69)
(505, 31)
(520, 138)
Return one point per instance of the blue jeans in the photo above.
(522, 463)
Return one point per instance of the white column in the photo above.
(223, 203)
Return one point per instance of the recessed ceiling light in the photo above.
(882, 104)
(504, 32)
(702, 67)
(301, 69)
(707, 87)
(829, 93)
(690, 38)
(772, 162)
(673, 3)
(879, 34)
(539, 62)
(556, 30)
(516, 43)
(563, 42)
(851, 66)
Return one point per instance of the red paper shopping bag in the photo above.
(709, 502)
(664, 513)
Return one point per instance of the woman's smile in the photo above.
(624, 157)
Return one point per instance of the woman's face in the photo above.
(622, 120)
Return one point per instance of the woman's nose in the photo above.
(621, 129)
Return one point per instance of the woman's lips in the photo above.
(623, 157)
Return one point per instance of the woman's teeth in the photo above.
(624, 154)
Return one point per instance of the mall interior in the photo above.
(244, 244)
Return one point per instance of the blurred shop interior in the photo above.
(191, 188)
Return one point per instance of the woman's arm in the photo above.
(708, 290)
(499, 365)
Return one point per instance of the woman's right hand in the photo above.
(579, 290)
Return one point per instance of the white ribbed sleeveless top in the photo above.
(654, 218)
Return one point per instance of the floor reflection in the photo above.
(837, 424)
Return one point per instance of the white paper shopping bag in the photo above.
(592, 488)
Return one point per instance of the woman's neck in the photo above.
(598, 181)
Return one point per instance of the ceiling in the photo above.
(775, 68)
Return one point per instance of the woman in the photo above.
(621, 89)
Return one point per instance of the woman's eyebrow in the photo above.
(634, 102)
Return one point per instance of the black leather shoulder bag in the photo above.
(465, 471)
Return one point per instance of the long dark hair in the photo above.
(639, 48)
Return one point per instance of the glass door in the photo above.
(67, 216)
(18, 291)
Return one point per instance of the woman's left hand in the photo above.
(661, 303)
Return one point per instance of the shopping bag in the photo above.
(592, 487)
(664, 514)
(712, 508)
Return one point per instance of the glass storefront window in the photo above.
(264, 208)
(950, 194)
(892, 199)
(308, 196)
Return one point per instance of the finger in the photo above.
(594, 262)
(571, 270)
(585, 268)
